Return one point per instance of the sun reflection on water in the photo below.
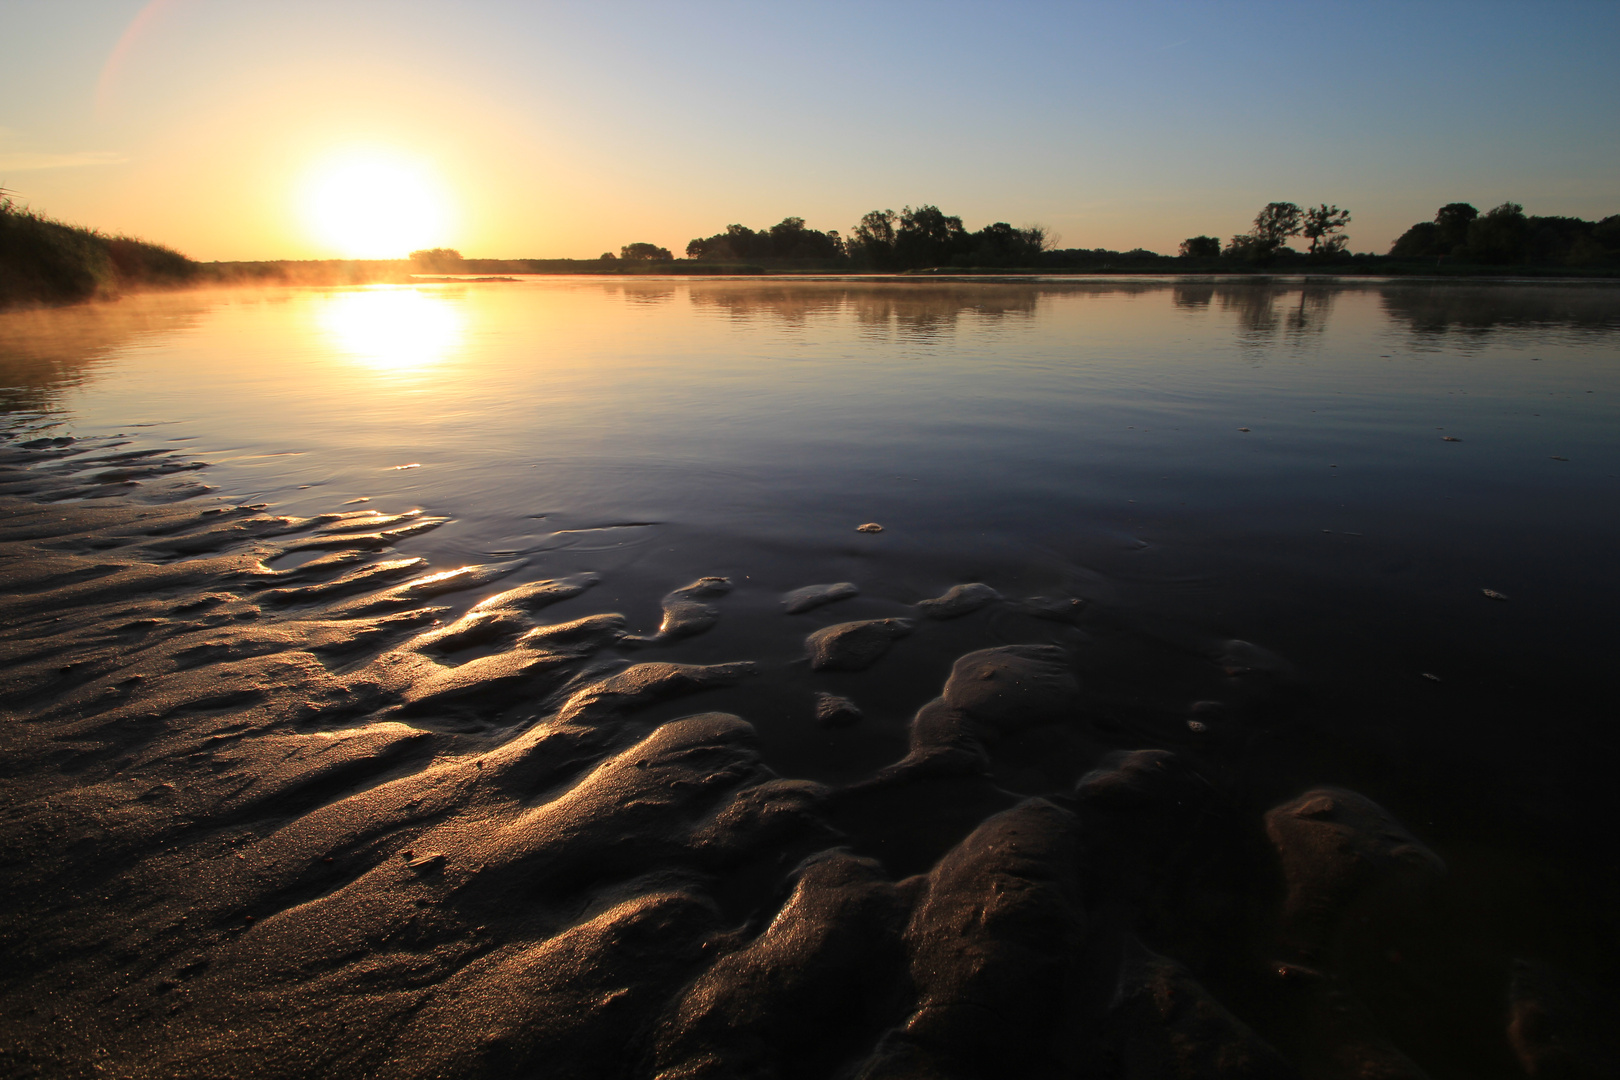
(403, 332)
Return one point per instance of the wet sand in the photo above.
(283, 799)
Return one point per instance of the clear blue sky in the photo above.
(570, 128)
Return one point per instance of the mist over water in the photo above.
(1331, 471)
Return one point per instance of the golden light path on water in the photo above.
(400, 331)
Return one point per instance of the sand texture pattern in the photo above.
(272, 807)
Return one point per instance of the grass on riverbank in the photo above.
(45, 261)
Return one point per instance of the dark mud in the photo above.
(367, 815)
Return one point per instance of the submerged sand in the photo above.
(282, 802)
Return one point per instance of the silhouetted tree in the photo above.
(1273, 225)
(737, 242)
(871, 242)
(1560, 240)
(644, 252)
(1452, 222)
(1245, 246)
(928, 237)
(1421, 241)
(791, 240)
(1505, 235)
(440, 259)
(1447, 234)
(1607, 233)
(1200, 247)
(606, 255)
(1499, 235)
(788, 239)
(1002, 245)
(1320, 224)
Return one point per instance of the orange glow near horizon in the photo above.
(374, 205)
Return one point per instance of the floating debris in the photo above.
(412, 465)
(1449, 438)
(432, 861)
(1493, 594)
(1432, 677)
(870, 526)
(1555, 457)
(1243, 429)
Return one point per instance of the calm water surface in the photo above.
(1199, 461)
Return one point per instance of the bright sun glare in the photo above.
(375, 207)
(401, 332)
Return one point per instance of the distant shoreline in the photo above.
(350, 272)
(400, 271)
(49, 263)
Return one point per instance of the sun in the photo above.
(375, 206)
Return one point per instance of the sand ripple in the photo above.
(300, 821)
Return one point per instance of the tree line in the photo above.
(1273, 227)
(925, 237)
(1504, 235)
(915, 238)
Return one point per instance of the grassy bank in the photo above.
(44, 261)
